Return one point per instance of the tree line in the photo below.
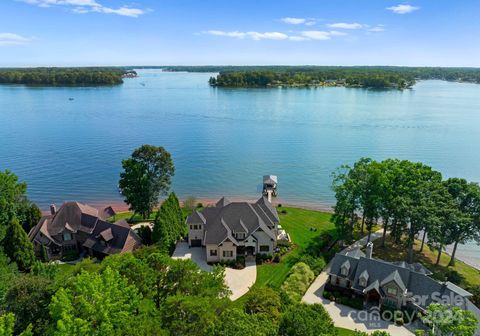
(63, 76)
(407, 198)
(351, 78)
(359, 76)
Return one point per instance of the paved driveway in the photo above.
(347, 317)
(197, 254)
(238, 281)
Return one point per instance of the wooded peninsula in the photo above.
(381, 77)
(92, 76)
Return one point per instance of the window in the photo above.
(227, 254)
(191, 227)
(363, 282)
(67, 236)
(239, 235)
(264, 248)
(213, 253)
(392, 291)
(344, 271)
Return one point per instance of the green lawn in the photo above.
(345, 332)
(298, 223)
(469, 276)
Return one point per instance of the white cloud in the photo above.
(88, 6)
(294, 36)
(253, 35)
(316, 35)
(343, 25)
(294, 21)
(298, 21)
(12, 39)
(403, 9)
(377, 29)
(337, 33)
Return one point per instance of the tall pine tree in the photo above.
(18, 247)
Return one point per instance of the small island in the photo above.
(377, 77)
(92, 76)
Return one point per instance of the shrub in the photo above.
(316, 264)
(283, 212)
(298, 281)
(454, 277)
(279, 205)
(70, 255)
(328, 295)
(261, 258)
(277, 258)
(199, 205)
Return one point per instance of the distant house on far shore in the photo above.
(77, 228)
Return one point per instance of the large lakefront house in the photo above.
(231, 229)
(391, 284)
(77, 228)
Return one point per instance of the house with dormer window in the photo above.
(394, 285)
(231, 229)
(79, 229)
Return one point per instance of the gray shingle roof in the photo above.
(394, 277)
(228, 217)
(413, 278)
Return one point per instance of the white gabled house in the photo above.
(231, 229)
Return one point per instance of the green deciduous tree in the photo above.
(306, 320)
(146, 176)
(7, 324)
(8, 273)
(467, 225)
(94, 304)
(235, 322)
(28, 298)
(264, 301)
(191, 315)
(450, 321)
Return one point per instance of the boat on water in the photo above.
(70, 99)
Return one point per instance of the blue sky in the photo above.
(195, 32)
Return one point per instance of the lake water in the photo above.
(224, 140)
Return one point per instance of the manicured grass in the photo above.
(393, 252)
(299, 224)
(345, 332)
(128, 216)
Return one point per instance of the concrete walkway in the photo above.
(347, 317)
(238, 281)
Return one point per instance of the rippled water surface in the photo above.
(224, 140)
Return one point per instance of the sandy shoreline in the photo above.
(465, 253)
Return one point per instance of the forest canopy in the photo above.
(64, 76)
(356, 76)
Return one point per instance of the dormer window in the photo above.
(363, 279)
(239, 235)
(345, 269)
(67, 236)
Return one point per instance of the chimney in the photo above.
(53, 209)
(369, 251)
